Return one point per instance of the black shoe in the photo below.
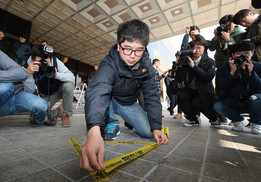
(128, 126)
(50, 121)
(32, 122)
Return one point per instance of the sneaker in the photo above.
(178, 116)
(239, 126)
(223, 119)
(215, 124)
(191, 123)
(256, 129)
(66, 121)
(32, 122)
(112, 132)
(128, 126)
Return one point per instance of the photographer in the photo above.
(13, 98)
(197, 94)
(226, 35)
(247, 19)
(193, 32)
(54, 81)
(240, 84)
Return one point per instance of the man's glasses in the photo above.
(128, 51)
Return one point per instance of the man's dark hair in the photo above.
(154, 61)
(24, 36)
(44, 41)
(239, 16)
(243, 46)
(133, 30)
(2, 30)
(225, 19)
(198, 41)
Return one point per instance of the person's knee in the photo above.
(6, 88)
(39, 104)
(217, 106)
(67, 87)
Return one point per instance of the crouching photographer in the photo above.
(13, 95)
(194, 75)
(54, 82)
(240, 84)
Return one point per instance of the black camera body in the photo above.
(240, 59)
(44, 52)
(183, 59)
(221, 28)
(192, 28)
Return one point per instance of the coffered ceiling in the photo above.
(86, 29)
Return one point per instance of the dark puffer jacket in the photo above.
(114, 78)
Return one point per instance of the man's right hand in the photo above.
(92, 153)
(187, 29)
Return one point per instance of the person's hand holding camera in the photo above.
(33, 67)
(225, 36)
(232, 66)
(215, 34)
(190, 62)
(247, 64)
(187, 29)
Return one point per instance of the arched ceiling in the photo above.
(85, 30)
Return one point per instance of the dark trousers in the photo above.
(173, 102)
(192, 104)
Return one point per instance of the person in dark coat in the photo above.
(240, 84)
(22, 51)
(114, 88)
(197, 95)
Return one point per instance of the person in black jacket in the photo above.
(240, 84)
(114, 88)
(197, 95)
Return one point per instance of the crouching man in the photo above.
(54, 82)
(114, 88)
(13, 98)
(240, 84)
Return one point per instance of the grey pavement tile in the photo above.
(54, 157)
(183, 163)
(137, 167)
(5, 146)
(231, 174)
(125, 148)
(163, 173)
(36, 149)
(19, 168)
(225, 156)
(42, 176)
(153, 156)
(115, 176)
(207, 179)
(189, 154)
(71, 169)
(12, 155)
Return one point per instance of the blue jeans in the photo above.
(21, 102)
(232, 108)
(132, 114)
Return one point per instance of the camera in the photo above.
(192, 28)
(183, 59)
(221, 28)
(44, 52)
(240, 59)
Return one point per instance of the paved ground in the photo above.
(39, 153)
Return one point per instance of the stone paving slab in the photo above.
(40, 153)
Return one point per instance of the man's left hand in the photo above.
(160, 137)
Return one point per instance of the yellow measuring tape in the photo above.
(100, 176)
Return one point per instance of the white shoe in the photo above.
(239, 126)
(256, 129)
(191, 123)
